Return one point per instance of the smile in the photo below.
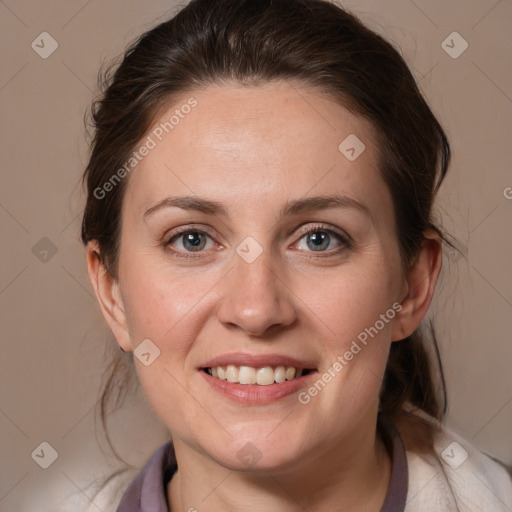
(262, 376)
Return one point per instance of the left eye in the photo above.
(319, 239)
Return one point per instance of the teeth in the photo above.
(290, 373)
(232, 373)
(263, 376)
(247, 375)
(280, 374)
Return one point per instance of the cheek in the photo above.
(354, 315)
(353, 300)
(160, 304)
(164, 308)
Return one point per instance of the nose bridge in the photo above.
(254, 296)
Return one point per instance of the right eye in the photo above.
(191, 240)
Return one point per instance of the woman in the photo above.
(259, 234)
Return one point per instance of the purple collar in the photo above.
(148, 491)
(399, 482)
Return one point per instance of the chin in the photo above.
(261, 454)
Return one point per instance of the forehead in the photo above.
(256, 148)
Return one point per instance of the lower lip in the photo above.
(254, 393)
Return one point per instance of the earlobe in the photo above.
(420, 283)
(107, 291)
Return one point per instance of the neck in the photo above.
(352, 475)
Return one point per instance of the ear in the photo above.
(420, 283)
(106, 288)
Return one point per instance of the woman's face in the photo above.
(266, 277)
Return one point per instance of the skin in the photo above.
(253, 150)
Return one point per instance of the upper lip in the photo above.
(256, 361)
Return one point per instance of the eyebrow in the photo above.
(290, 208)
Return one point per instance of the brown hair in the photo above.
(253, 42)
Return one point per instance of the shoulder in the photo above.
(456, 476)
(97, 495)
(134, 490)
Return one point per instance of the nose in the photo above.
(255, 297)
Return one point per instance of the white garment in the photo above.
(461, 479)
(450, 482)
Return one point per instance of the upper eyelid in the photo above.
(323, 227)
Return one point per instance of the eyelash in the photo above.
(343, 239)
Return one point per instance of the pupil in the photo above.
(194, 239)
(318, 239)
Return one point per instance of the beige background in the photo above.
(53, 336)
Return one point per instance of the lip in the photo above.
(257, 361)
(254, 394)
